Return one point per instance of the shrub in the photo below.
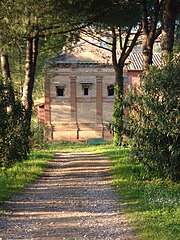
(14, 141)
(153, 120)
(38, 140)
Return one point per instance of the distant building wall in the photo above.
(77, 102)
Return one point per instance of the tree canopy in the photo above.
(32, 29)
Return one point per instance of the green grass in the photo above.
(16, 177)
(152, 204)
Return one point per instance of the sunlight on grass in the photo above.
(152, 204)
(16, 177)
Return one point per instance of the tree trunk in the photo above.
(118, 115)
(5, 68)
(4, 60)
(150, 31)
(118, 106)
(147, 52)
(119, 93)
(6, 75)
(168, 27)
(30, 70)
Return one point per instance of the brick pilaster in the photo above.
(73, 99)
(99, 110)
(47, 108)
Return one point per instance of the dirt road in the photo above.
(73, 199)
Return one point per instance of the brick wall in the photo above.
(76, 116)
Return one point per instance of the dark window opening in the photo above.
(86, 91)
(110, 90)
(59, 91)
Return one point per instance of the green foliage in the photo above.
(151, 205)
(13, 135)
(117, 124)
(153, 120)
(37, 140)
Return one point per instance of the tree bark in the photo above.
(150, 31)
(30, 70)
(4, 60)
(118, 64)
(119, 91)
(5, 68)
(147, 51)
(168, 27)
(6, 75)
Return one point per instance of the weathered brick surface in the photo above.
(86, 112)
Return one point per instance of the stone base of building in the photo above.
(77, 132)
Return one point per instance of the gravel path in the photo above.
(73, 199)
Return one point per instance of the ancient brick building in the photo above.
(79, 94)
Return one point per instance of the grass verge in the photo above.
(151, 203)
(15, 178)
